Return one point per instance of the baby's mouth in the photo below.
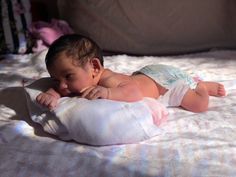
(73, 94)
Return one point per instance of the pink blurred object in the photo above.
(159, 111)
(46, 33)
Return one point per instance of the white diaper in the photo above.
(174, 96)
(174, 79)
(166, 75)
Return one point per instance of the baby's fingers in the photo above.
(86, 92)
(52, 105)
(40, 99)
(45, 101)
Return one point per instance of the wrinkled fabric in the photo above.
(190, 144)
(97, 122)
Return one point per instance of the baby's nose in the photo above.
(63, 85)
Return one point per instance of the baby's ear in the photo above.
(96, 64)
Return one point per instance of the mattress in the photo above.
(190, 144)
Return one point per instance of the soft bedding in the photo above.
(188, 144)
(96, 122)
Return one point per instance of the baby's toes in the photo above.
(221, 90)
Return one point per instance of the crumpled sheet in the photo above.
(202, 144)
(97, 122)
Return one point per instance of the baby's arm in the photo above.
(48, 98)
(126, 91)
(119, 87)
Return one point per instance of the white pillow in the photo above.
(96, 122)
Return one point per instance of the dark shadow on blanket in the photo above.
(14, 98)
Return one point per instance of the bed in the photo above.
(190, 144)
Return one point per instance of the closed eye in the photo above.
(56, 81)
(69, 76)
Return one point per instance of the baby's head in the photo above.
(74, 46)
(74, 62)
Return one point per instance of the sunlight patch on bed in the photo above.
(22, 128)
(6, 112)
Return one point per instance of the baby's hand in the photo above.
(96, 92)
(48, 99)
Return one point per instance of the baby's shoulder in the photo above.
(112, 79)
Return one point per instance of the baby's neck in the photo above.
(105, 74)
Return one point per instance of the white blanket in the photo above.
(96, 122)
(189, 144)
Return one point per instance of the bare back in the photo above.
(146, 85)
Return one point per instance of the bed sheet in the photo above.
(190, 144)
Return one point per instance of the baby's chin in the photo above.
(71, 94)
(65, 94)
(68, 93)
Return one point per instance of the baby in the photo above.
(75, 63)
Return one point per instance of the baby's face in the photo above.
(70, 77)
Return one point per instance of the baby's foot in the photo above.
(200, 101)
(201, 90)
(215, 89)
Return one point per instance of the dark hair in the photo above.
(76, 46)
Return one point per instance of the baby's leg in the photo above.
(196, 100)
(214, 88)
